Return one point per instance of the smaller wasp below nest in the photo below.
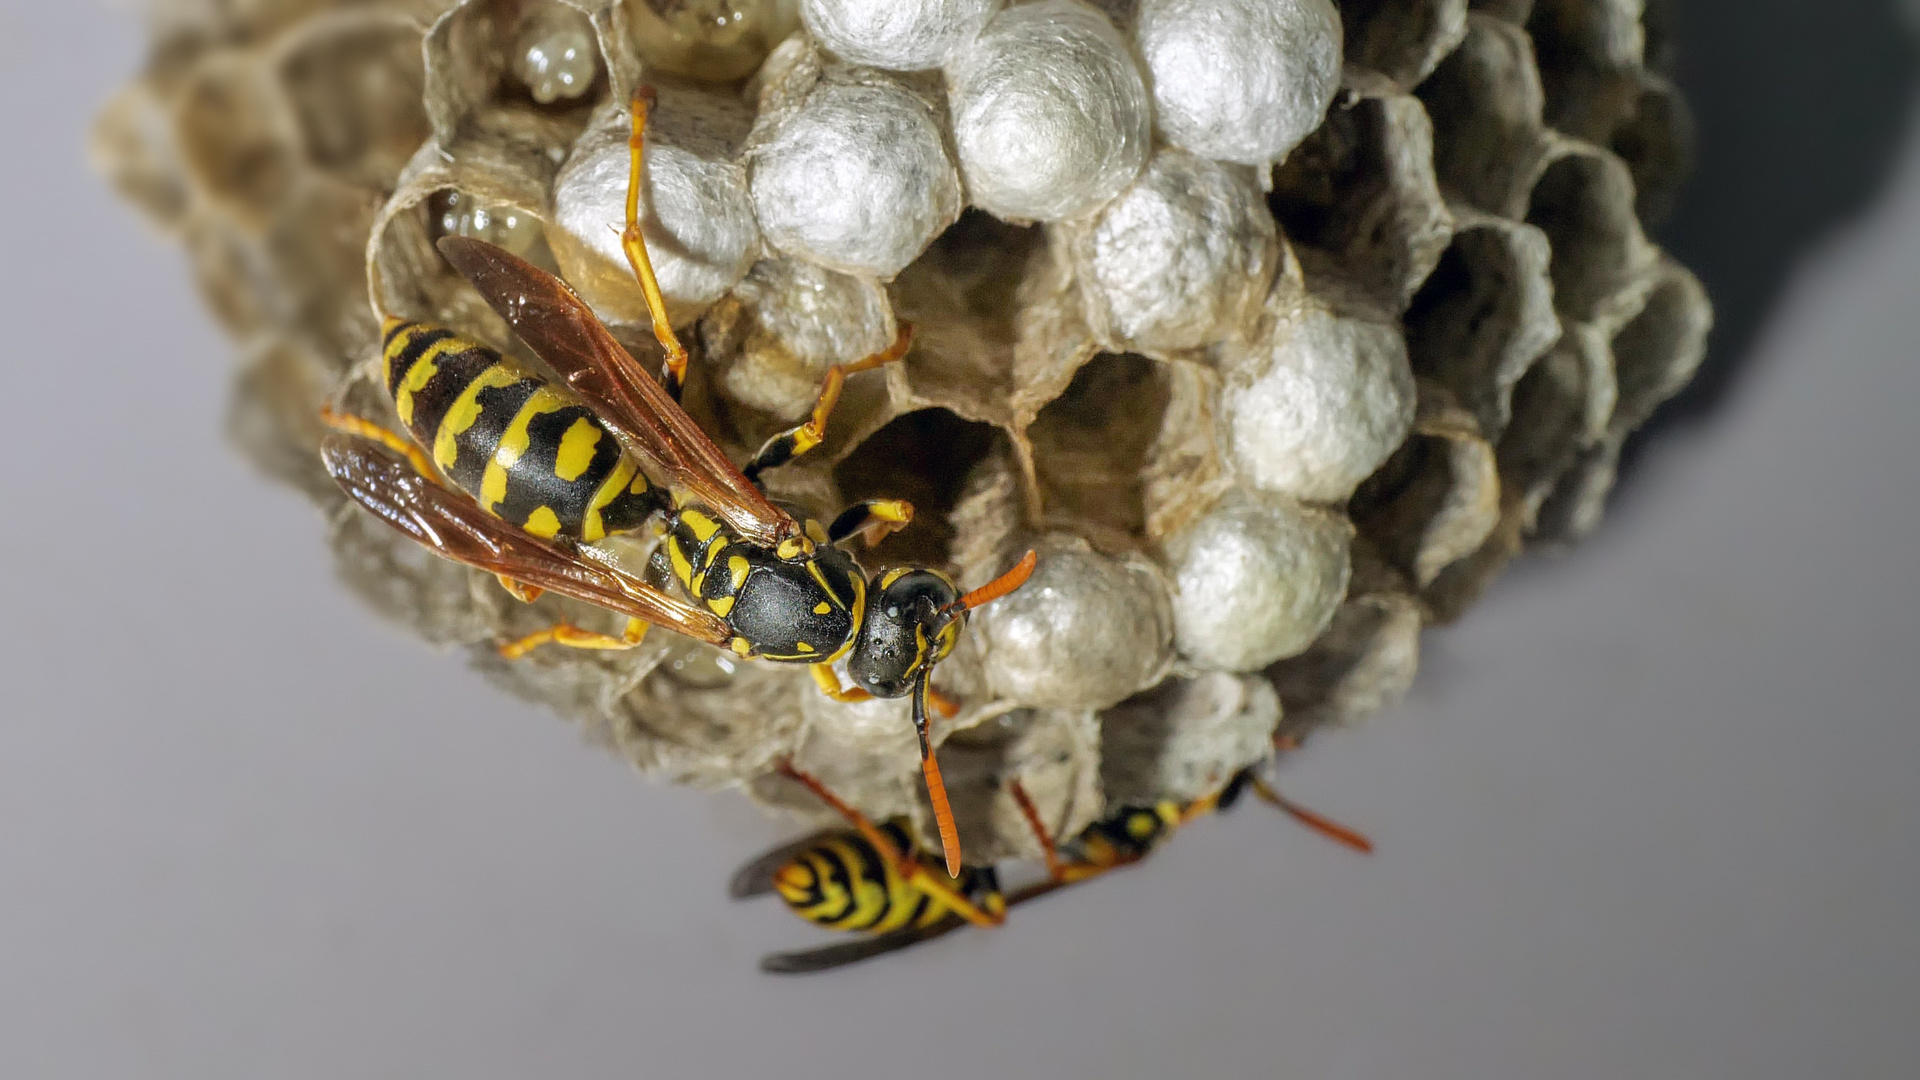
(875, 879)
(517, 477)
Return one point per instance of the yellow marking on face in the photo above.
(737, 568)
(919, 648)
(816, 531)
(423, 369)
(466, 410)
(576, 449)
(702, 526)
(894, 575)
(1141, 826)
(723, 607)
(682, 569)
(543, 523)
(822, 608)
(594, 527)
(741, 647)
(948, 637)
(513, 444)
(805, 648)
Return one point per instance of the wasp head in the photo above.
(912, 622)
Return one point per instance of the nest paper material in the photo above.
(1277, 327)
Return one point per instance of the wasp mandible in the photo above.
(534, 472)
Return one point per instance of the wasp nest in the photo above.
(1277, 327)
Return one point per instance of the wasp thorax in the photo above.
(906, 628)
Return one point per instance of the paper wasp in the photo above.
(535, 472)
(876, 879)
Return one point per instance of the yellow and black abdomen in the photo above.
(842, 883)
(523, 450)
(1127, 834)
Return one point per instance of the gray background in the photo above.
(1650, 811)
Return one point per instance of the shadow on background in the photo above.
(1800, 108)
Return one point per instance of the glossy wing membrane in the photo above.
(450, 524)
(562, 329)
(842, 953)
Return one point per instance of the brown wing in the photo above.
(451, 525)
(561, 328)
(842, 953)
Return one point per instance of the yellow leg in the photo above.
(912, 870)
(873, 520)
(829, 682)
(367, 429)
(793, 442)
(636, 247)
(576, 638)
(520, 591)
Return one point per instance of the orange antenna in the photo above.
(936, 787)
(1000, 586)
(1326, 827)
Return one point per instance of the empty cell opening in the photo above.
(1341, 167)
(1515, 11)
(1549, 411)
(1656, 143)
(1092, 444)
(923, 457)
(356, 95)
(1585, 210)
(1656, 353)
(228, 137)
(1469, 326)
(983, 257)
(1465, 307)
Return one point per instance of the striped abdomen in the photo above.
(524, 451)
(842, 883)
(1128, 834)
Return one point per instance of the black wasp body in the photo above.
(530, 454)
(876, 880)
(519, 476)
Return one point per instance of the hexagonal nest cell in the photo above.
(1274, 360)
